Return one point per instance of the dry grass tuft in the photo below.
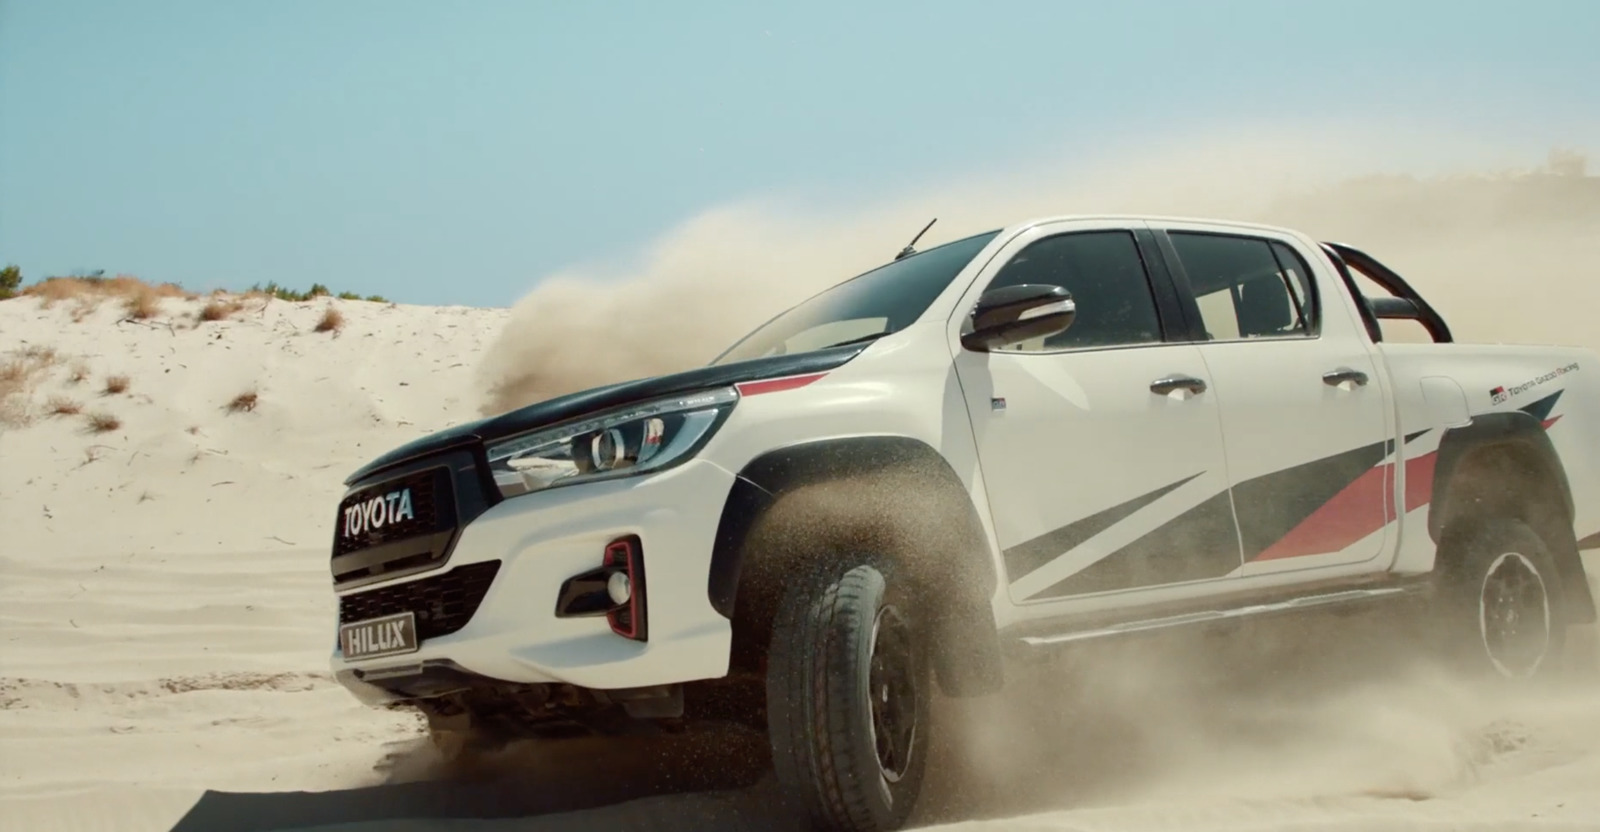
(80, 373)
(17, 376)
(63, 406)
(142, 305)
(117, 384)
(14, 371)
(57, 289)
(14, 377)
(243, 403)
(40, 355)
(220, 309)
(140, 298)
(332, 320)
(90, 291)
(103, 422)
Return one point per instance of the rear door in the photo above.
(1304, 417)
(1101, 479)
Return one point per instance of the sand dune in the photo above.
(165, 609)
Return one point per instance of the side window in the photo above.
(1108, 282)
(1247, 287)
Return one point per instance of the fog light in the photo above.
(619, 588)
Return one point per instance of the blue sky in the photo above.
(442, 152)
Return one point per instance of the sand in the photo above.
(166, 615)
(165, 606)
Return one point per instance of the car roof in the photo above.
(1151, 218)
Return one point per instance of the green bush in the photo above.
(10, 282)
(317, 290)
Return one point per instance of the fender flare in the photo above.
(960, 569)
(1520, 438)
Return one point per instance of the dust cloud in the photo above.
(1295, 722)
(1505, 249)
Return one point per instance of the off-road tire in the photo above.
(821, 682)
(1500, 566)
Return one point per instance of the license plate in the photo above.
(390, 635)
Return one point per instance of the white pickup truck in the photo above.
(1068, 429)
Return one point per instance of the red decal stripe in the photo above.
(1360, 509)
(776, 385)
(1353, 513)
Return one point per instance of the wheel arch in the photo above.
(1504, 464)
(889, 494)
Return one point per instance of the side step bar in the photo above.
(1299, 603)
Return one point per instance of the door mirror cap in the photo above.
(1013, 314)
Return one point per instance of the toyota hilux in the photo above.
(1065, 430)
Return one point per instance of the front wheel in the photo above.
(847, 698)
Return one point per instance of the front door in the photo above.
(1100, 447)
(1305, 421)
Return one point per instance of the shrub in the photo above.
(142, 304)
(332, 320)
(242, 403)
(285, 293)
(102, 422)
(17, 377)
(10, 282)
(218, 309)
(92, 289)
(117, 384)
(14, 371)
(63, 406)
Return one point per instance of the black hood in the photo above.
(574, 405)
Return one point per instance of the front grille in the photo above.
(429, 491)
(443, 603)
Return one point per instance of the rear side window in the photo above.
(1108, 282)
(1247, 287)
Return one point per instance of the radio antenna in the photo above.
(910, 248)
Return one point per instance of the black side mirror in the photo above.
(1013, 314)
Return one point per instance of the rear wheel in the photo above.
(847, 699)
(1502, 609)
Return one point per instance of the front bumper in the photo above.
(540, 540)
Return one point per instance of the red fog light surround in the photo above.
(628, 619)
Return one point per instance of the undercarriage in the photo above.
(492, 713)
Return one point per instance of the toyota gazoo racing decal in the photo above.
(1501, 394)
(375, 513)
(1317, 507)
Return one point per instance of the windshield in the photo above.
(867, 306)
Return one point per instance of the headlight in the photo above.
(633, 440)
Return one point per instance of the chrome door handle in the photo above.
(1169, 384)
(1334, 378)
